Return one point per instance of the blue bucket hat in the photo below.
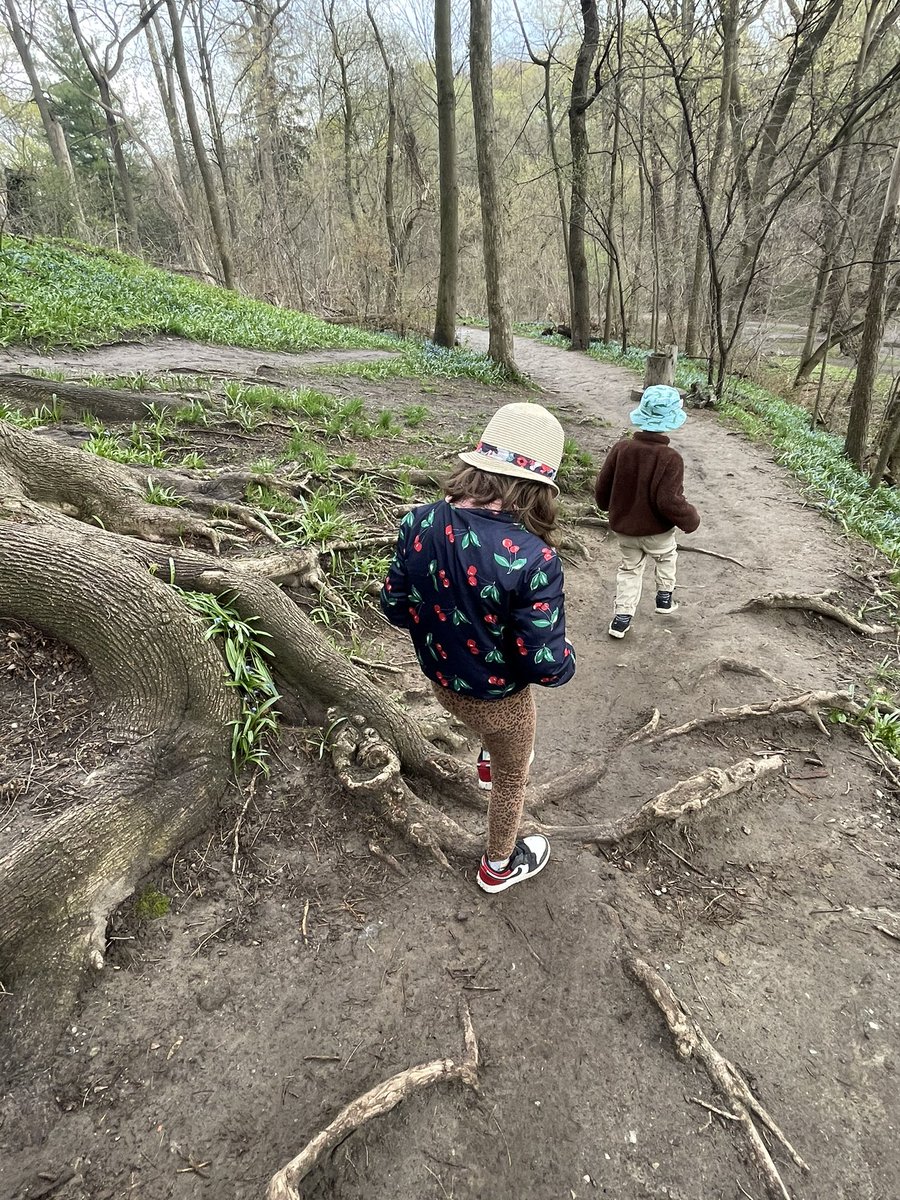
(660, 410)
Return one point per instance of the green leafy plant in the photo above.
(165, 496)
(246, 656)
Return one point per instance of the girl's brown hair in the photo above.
(534, 504)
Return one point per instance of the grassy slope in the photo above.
(79, 296)
(59, 293)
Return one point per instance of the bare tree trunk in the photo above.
(613, 182)
(203, 163)
(101, 78)
(835, 227)
(873, 328)
(390, 216)
(500, 337)
(545, 65)
(890, 435)
(580, 102)
(56, 138)
(445, 313)
(347, 104)
(207, 79)
(697, 289)
(162, 69)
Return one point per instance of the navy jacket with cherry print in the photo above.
(482, 599)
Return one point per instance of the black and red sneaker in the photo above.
(530, 856)
(483, 767)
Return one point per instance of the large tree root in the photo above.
(817, 603)
(367, 766)
(285, 1184)
(692, 1042)
(92, 489)
(165, 706)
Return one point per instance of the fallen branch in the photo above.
(691, 1042)
(602, 523)
(816, 603)
(285, 1184)
(811, 703)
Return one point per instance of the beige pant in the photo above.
(662, 549)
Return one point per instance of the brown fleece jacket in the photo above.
(641, 487)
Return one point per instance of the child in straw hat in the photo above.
(476, 583)
(640, 485)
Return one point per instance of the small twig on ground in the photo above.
(375, 666)
(285, 1184)
(389, 859)
(602, 523)
(691, 1042)
(816, 603)
(729, 1116)
(237, 826)
(889, 932)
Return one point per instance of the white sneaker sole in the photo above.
(486, 787)
(493, 888)
(667, 612)
(617, 633)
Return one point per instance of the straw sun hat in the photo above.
(522, 440)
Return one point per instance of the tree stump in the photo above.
(661, 367)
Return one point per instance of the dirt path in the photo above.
(180, 356)
(237, 1028)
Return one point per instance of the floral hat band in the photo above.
(523, 440)
(518, 460)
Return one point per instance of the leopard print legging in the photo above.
(506, 728)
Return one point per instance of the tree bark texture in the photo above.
(580, 100)
(500, 336)
(855, 444)
(166, 708)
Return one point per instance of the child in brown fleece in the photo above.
(641, 487)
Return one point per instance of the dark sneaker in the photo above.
(483, 767)
(530, 856)
(619, 625)
(665, 603)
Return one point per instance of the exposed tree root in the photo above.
(684, 798)
(285, 1184)
(816, 603)
(811, 703)
(73, 400)
(691, 1042)
(165, 707)
(738, 667)
(366, 765)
